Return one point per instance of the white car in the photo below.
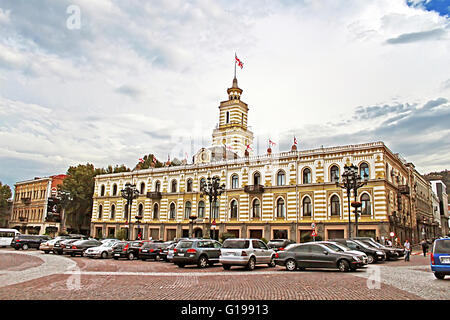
(245, 252)
(104, 251)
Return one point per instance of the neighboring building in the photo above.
(36, 208)
(267, 196)
(440, 189)
(436, 215)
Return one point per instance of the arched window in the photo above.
(234, 181)
(215, 208)
(233, 210)
(335, 206)
(334, 173)
(102, 190)
(256, 209)
(202, 183)
(307, 207)
(113, 212)
(155, 212)
(114, 189)
(364, 170)
(306, 176)
(174, 186)
(142, 189)
(189, 185)
(187, 210)
(140, 210)
(256, 179)
(100, 211)
(201, 209)
(228, 116)
(280, 208)
(172, 211)
(125, 211)
(365, 208)
(157, 186)
(281, 178)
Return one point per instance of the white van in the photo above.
(7, 236)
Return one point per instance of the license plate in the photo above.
(229, 254)
(181, 254)
(445, 259)
(144, 250)
(117, 255)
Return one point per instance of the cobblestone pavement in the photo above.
(81, 278)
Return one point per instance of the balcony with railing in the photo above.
(403, 189)
(154, 195)
(26, 201)
(254, 189)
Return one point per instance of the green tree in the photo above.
(80, 184)
(5, 195)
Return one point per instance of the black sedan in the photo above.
(374, 255)
(318, 255)
(151, 250)
(78, 247)
(390, 252)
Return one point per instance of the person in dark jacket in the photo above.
(424, 244)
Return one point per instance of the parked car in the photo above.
(26, 241)
(169, 251)
(127, 249)
(373, 254)
(346, 249)
(390, 252)
(151, 250)
(440, 258)
(103, 251)
(78, 247)
(59, 245)
(318, 255)
(109, 240)
(245, 252)
(47, 246)
(200, 252)
(279, 244)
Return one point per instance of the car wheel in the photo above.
(116, 258)
(226, 266)
(180, 265)
(291, 265)
(72, 254)
(271, 264)
(158, 258)
(17, 248)
(25, 247)
(202, 262)
(370, 259)
(46, 252)
(439, 275)
(130, 256)
(251, 264)
(343, 265)
(143, 259)
(104, 255)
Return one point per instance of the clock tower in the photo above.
(232, 130)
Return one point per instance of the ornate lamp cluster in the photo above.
(213, 189)
(352, 180)
(130, 192)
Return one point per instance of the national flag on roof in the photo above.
(239, 62)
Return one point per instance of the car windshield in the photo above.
(342, 247)
(362, 244)
(442, 246)
(373, 243)
(236, 244)
(184, 244)
(107, 244)
(332, 247)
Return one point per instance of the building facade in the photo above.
(266, 196)
(35, 206)
(440, 189)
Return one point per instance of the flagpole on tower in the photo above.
(235, 56)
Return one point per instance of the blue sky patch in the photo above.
(440, 6)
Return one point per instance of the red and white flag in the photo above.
(141, 160)
(249, 148)
(272, 143)
(154, 160)
(239, 62)
(295, 140)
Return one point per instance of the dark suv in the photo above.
(373, 254)
(279, 244)
(59, 245)
(199, 252)
(127, 249)
(26, 241)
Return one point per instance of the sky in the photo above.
(107, 82)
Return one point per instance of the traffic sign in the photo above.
(313, 225)
(313, 234)
(392, 234)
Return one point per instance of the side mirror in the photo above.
(358, 247)
(325, 252)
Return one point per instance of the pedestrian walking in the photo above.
(424, 244)
(407, 246)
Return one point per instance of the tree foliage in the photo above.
(148, 163)
(5, 195)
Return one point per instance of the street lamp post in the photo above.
(129, 193)
(192, 218)
(213, 189)
(351, 180)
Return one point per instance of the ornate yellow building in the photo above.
(267, 196)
